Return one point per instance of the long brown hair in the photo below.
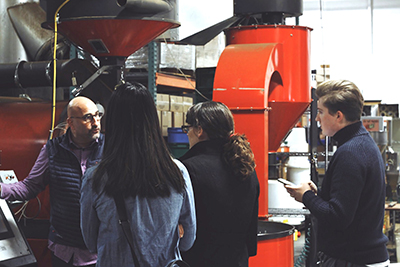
(217, 121)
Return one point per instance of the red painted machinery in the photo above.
(263, 76)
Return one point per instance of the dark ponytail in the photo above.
(239, 156)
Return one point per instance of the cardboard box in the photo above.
(187, 103)
(163, 102)
(176, 103)
(166, 121)
(177, 119)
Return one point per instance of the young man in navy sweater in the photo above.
(350, 205)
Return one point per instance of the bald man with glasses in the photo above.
(61, 164)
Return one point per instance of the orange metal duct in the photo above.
(263, 76)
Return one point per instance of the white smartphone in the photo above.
(285, 182)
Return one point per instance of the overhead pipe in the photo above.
(25, 74)
(39, 74)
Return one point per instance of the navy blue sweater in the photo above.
(351, 203)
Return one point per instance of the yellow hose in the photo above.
(53, 117)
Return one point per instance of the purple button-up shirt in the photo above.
(35, 183)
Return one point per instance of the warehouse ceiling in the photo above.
(346, 4)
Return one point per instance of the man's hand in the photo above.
(297, 192)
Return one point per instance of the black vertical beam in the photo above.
(313, 143)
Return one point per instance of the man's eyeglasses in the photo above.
(89, 117)
(185, 128)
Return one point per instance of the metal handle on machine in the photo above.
(77, 90)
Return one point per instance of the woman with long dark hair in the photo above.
(157, 190)
(221, 167)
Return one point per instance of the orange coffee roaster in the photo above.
(263, 76)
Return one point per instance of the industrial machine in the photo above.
(263, 76)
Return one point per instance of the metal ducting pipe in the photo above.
(38, 42)
(25, 74)
(36, 76)
(26, 19)
(40, 73)
(11, 48)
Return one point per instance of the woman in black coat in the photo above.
(221, 167)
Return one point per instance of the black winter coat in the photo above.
(226, 209)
